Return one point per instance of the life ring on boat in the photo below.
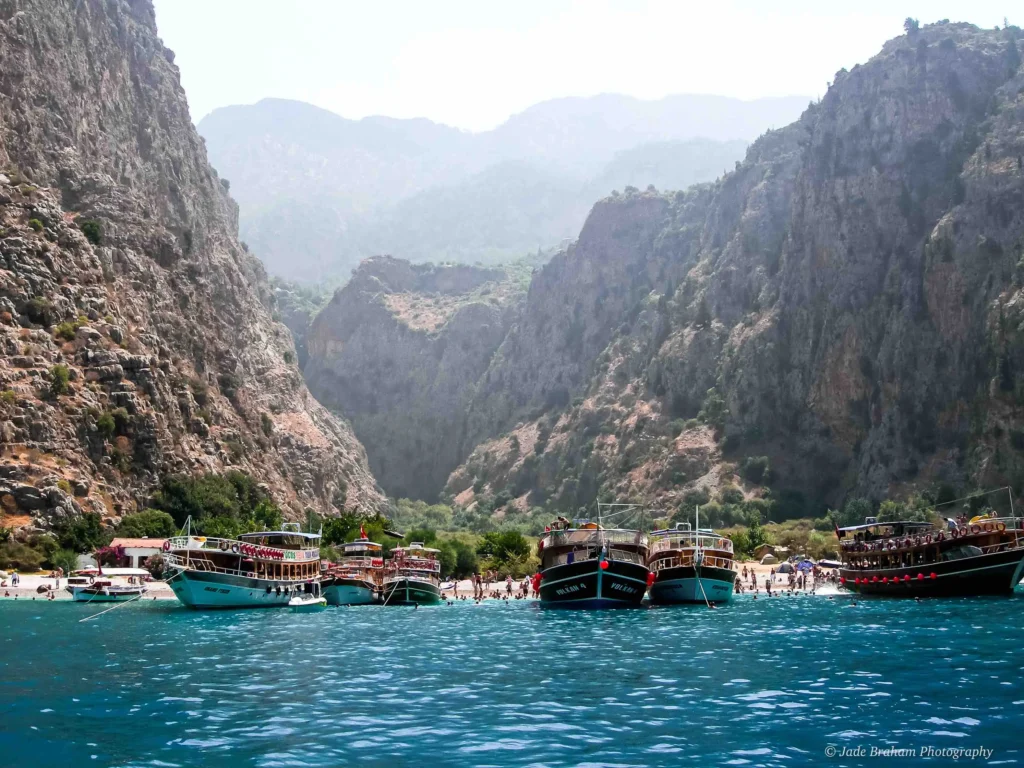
(975, 528)
(940, 536)
(906, 542)
(167, 546)
(917, 541)
(928, 539)
(1000, 527)
(988, 527)
(223, 546)
(234, 549)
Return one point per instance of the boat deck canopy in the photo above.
(261, 534)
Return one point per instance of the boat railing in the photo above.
(854, 563)
(583, 554)
(427, 566)
(204, 564)
(360, 562)
(928, 538)
(708, 561)
(236, 547)
(688, 540)
(594, 536)
(399, 575)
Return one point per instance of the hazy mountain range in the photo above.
(318, 192)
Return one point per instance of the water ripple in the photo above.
(757, 683)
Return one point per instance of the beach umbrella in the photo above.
(805, 565)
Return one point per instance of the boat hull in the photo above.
(585, 584)
(682, 585)
(203, 590)
(411, 592)
(349, 592)
(991, 574)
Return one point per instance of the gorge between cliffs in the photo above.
(837, 317)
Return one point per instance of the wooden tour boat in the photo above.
(914, 559)
(256, 570)
(586, 565)
(413, 576)
(691, 566)
(358, 578)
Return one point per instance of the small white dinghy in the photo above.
(307, 603)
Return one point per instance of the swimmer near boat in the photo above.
(586, 565)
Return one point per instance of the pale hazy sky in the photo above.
(472, 63)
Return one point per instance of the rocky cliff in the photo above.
(399, 351)
(844, 307)
(136, 334)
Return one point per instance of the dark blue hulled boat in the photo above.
(590, 566)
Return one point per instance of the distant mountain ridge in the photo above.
(319, 192)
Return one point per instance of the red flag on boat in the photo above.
(362, 531)
(838, 534)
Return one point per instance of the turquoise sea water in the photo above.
(766, 682)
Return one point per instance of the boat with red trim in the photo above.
(915, 559)
(265, 569)
(586, 565)
(357, 579)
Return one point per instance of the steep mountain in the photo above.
(318, 193)
(843, 308)
(400, 349)
(136, 332)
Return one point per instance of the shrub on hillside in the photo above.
(218, 504)
(82, 533)
(60, 376)
(149, 523)
(92, 230)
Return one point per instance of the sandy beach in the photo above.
(28, 589)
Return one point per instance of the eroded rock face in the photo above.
(159, 319)
(851, 292)
(399, 351)
(847, 302)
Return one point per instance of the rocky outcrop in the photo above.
(399, 351)
(846, 302)
(136, 335)
(844, 307)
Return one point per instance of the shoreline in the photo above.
(158, 590)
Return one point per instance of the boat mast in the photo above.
(1016, 527)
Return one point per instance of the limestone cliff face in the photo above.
(399, 351)
(158, 316)
(851, 294)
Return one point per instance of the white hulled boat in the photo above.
(108, 585)
(257, 570)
